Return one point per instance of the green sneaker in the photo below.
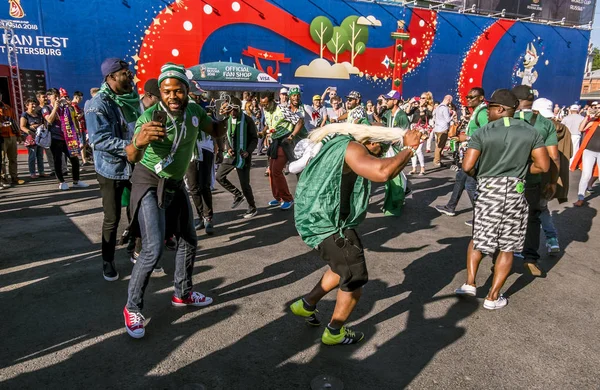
(346, 336)
(310, 316)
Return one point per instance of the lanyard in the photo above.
(179, 135)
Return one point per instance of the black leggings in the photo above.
(59, 147)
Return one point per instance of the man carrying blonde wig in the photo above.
(331, 200)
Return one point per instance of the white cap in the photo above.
(544, 106)
(574, 107)
(594, 104)
(283, 90)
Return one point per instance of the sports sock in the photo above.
(307, 306)
(333, 330)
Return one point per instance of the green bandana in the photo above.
(128, 103)
(236, 135)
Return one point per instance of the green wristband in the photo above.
(135, 146)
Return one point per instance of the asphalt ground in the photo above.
(62, 324)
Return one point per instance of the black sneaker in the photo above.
(200, 224)
(131, 245)
(110, 272)
(251, 212)
(445, 210)
(208, 226)
(237, 201)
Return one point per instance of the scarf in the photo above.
(128, 103)
(236, 136)
(68, 121)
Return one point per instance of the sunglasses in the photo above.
(471, 97)
(423, 97)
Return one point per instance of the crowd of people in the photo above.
(151, 153)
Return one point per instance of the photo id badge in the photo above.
(158, 168)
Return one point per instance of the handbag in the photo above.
(29, 141)
(42, 137)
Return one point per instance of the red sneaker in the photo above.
(193, 299)
(134, 323)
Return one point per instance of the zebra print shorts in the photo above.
(501, 212)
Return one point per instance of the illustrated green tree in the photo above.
(321, 31)
(338, 42)
(357, 36)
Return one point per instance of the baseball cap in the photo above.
(544, 107)
(574, 107)
(353, 95)
(523, 92)
(316, 97)
(195, 88)
(112, 65)
(151, 87)
(393, 95)
(504, 97)
(63, 92)
(283, 90)
(594, 103)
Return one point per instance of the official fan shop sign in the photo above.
(229, 72)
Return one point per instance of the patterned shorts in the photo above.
(501, 212)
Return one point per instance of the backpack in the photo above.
(42, 137)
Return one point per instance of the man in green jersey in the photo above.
(500, 153)
(533, 189)
(163, 144)
(395, 115)
(479, 118)
(331, 200)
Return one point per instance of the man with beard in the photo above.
(356, 111)
(285, 128)
(395, 116)
(479, 118)
(503, 151)
(332, 199)
(110, 117)
(163, 144)
(240, 141)
(533, 188)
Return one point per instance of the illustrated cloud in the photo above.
(322, 69)
(369, 21)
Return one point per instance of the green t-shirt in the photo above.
(195, 120)
(505, 147)
(546, 129)
(478, 119)
(400, 119)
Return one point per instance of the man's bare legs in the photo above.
(345, 301)
(501, 271)
(473, 259)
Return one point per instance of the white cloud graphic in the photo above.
(369, 21)
(351, 69)
(322, 69)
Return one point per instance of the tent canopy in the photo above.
(230, 76)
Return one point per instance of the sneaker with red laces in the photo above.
(134, 323)
(193, 299)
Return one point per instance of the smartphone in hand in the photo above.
(159, 116)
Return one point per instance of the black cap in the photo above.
(524, 92)
(151, 87)
(504, 97)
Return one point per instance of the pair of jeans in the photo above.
(243, 175)
(9, 148)
(440, 143)
(547, 223)
(418, 155)
(463, 182)
(35, 154)
(112, 191)
(589, 160)
(152, 221)
(533, 194)
(59, 148)
(199, 178)
(279, 187)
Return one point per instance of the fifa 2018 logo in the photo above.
(15, 9)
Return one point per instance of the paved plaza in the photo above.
(62, 324)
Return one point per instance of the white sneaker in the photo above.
(63, 186)
(81, 184)
(495, 305)
(466, 289)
